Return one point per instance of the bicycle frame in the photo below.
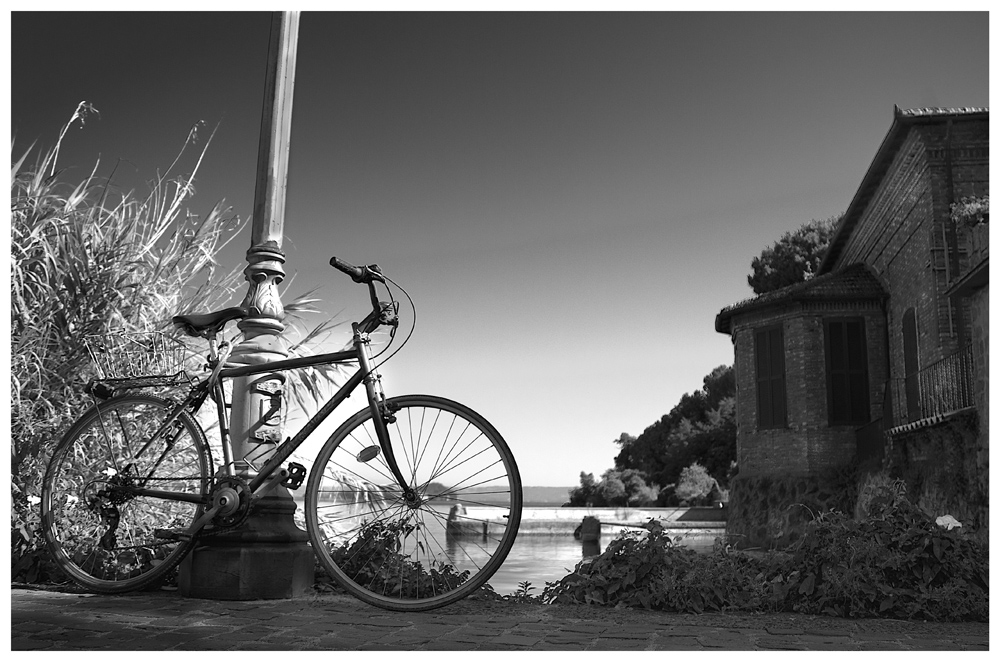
(135, 482)
(381, 314)
(365, 373)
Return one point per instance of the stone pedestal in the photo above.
(266, 558)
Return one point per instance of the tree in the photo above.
(627, 488)
(695, 485)
(700, 428)
(616, 488)
(586, 493)
(794, 258)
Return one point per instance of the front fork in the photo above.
(383, 414)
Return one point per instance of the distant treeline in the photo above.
(685, 458)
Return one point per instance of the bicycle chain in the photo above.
(221, 524)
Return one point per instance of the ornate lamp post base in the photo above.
(266, 558)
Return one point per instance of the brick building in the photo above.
(881, 360)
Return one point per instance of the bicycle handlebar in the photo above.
(366, 274)
(382, 312)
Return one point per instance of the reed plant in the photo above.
(87, 259)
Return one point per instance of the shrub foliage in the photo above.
(895, 563)
(86, 260)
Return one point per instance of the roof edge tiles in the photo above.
(903, 119)
(856, 282)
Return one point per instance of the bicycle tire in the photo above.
(103, 537)
(422, 555)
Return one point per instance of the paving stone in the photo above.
(780, 643)
(435, 629)
(618, 645)
(590, 628)
(729, 642)
(515, 640)
(878, 636)
(880, 646)
(30, 626)
(612, 634)
(810, 639)
(820, 632)
(678, 643)
(43, 620)
(28, 644)
(549, 646)
(931, 645)
(440, 645)
(778, 630)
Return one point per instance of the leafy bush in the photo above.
(373, 560)
(896, 563)
(971, 211)
(648, 569)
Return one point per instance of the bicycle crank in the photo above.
(233, 499)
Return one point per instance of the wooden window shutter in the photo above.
(846, 371)
(769, 353)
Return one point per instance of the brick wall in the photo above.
(808, 445)
(906, 236)
(980, 323)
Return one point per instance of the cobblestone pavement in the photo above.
(48, 620)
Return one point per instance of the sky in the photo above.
(569, 198)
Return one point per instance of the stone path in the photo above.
(48, 620)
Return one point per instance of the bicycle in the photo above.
(132, 484)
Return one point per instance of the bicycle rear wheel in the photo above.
(100, 532)
(429, 551)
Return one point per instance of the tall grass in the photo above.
(87, 259)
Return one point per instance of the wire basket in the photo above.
(137, 356)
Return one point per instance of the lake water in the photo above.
(540, 558)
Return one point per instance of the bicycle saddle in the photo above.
(207, 324)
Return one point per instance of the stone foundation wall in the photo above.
(772, 512)
(941, 468)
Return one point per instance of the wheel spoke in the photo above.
(408, 553)
(101, 533)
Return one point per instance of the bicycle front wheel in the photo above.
(423, 552)
(105, 535)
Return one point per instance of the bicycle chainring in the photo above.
(235, 492)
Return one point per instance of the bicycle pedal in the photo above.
(296, 475)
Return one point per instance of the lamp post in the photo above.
(267, 556)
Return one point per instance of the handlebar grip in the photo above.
(370, 274)
(357, 274)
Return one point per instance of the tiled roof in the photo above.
(901, 123)
(934, 112)
(852, 283)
